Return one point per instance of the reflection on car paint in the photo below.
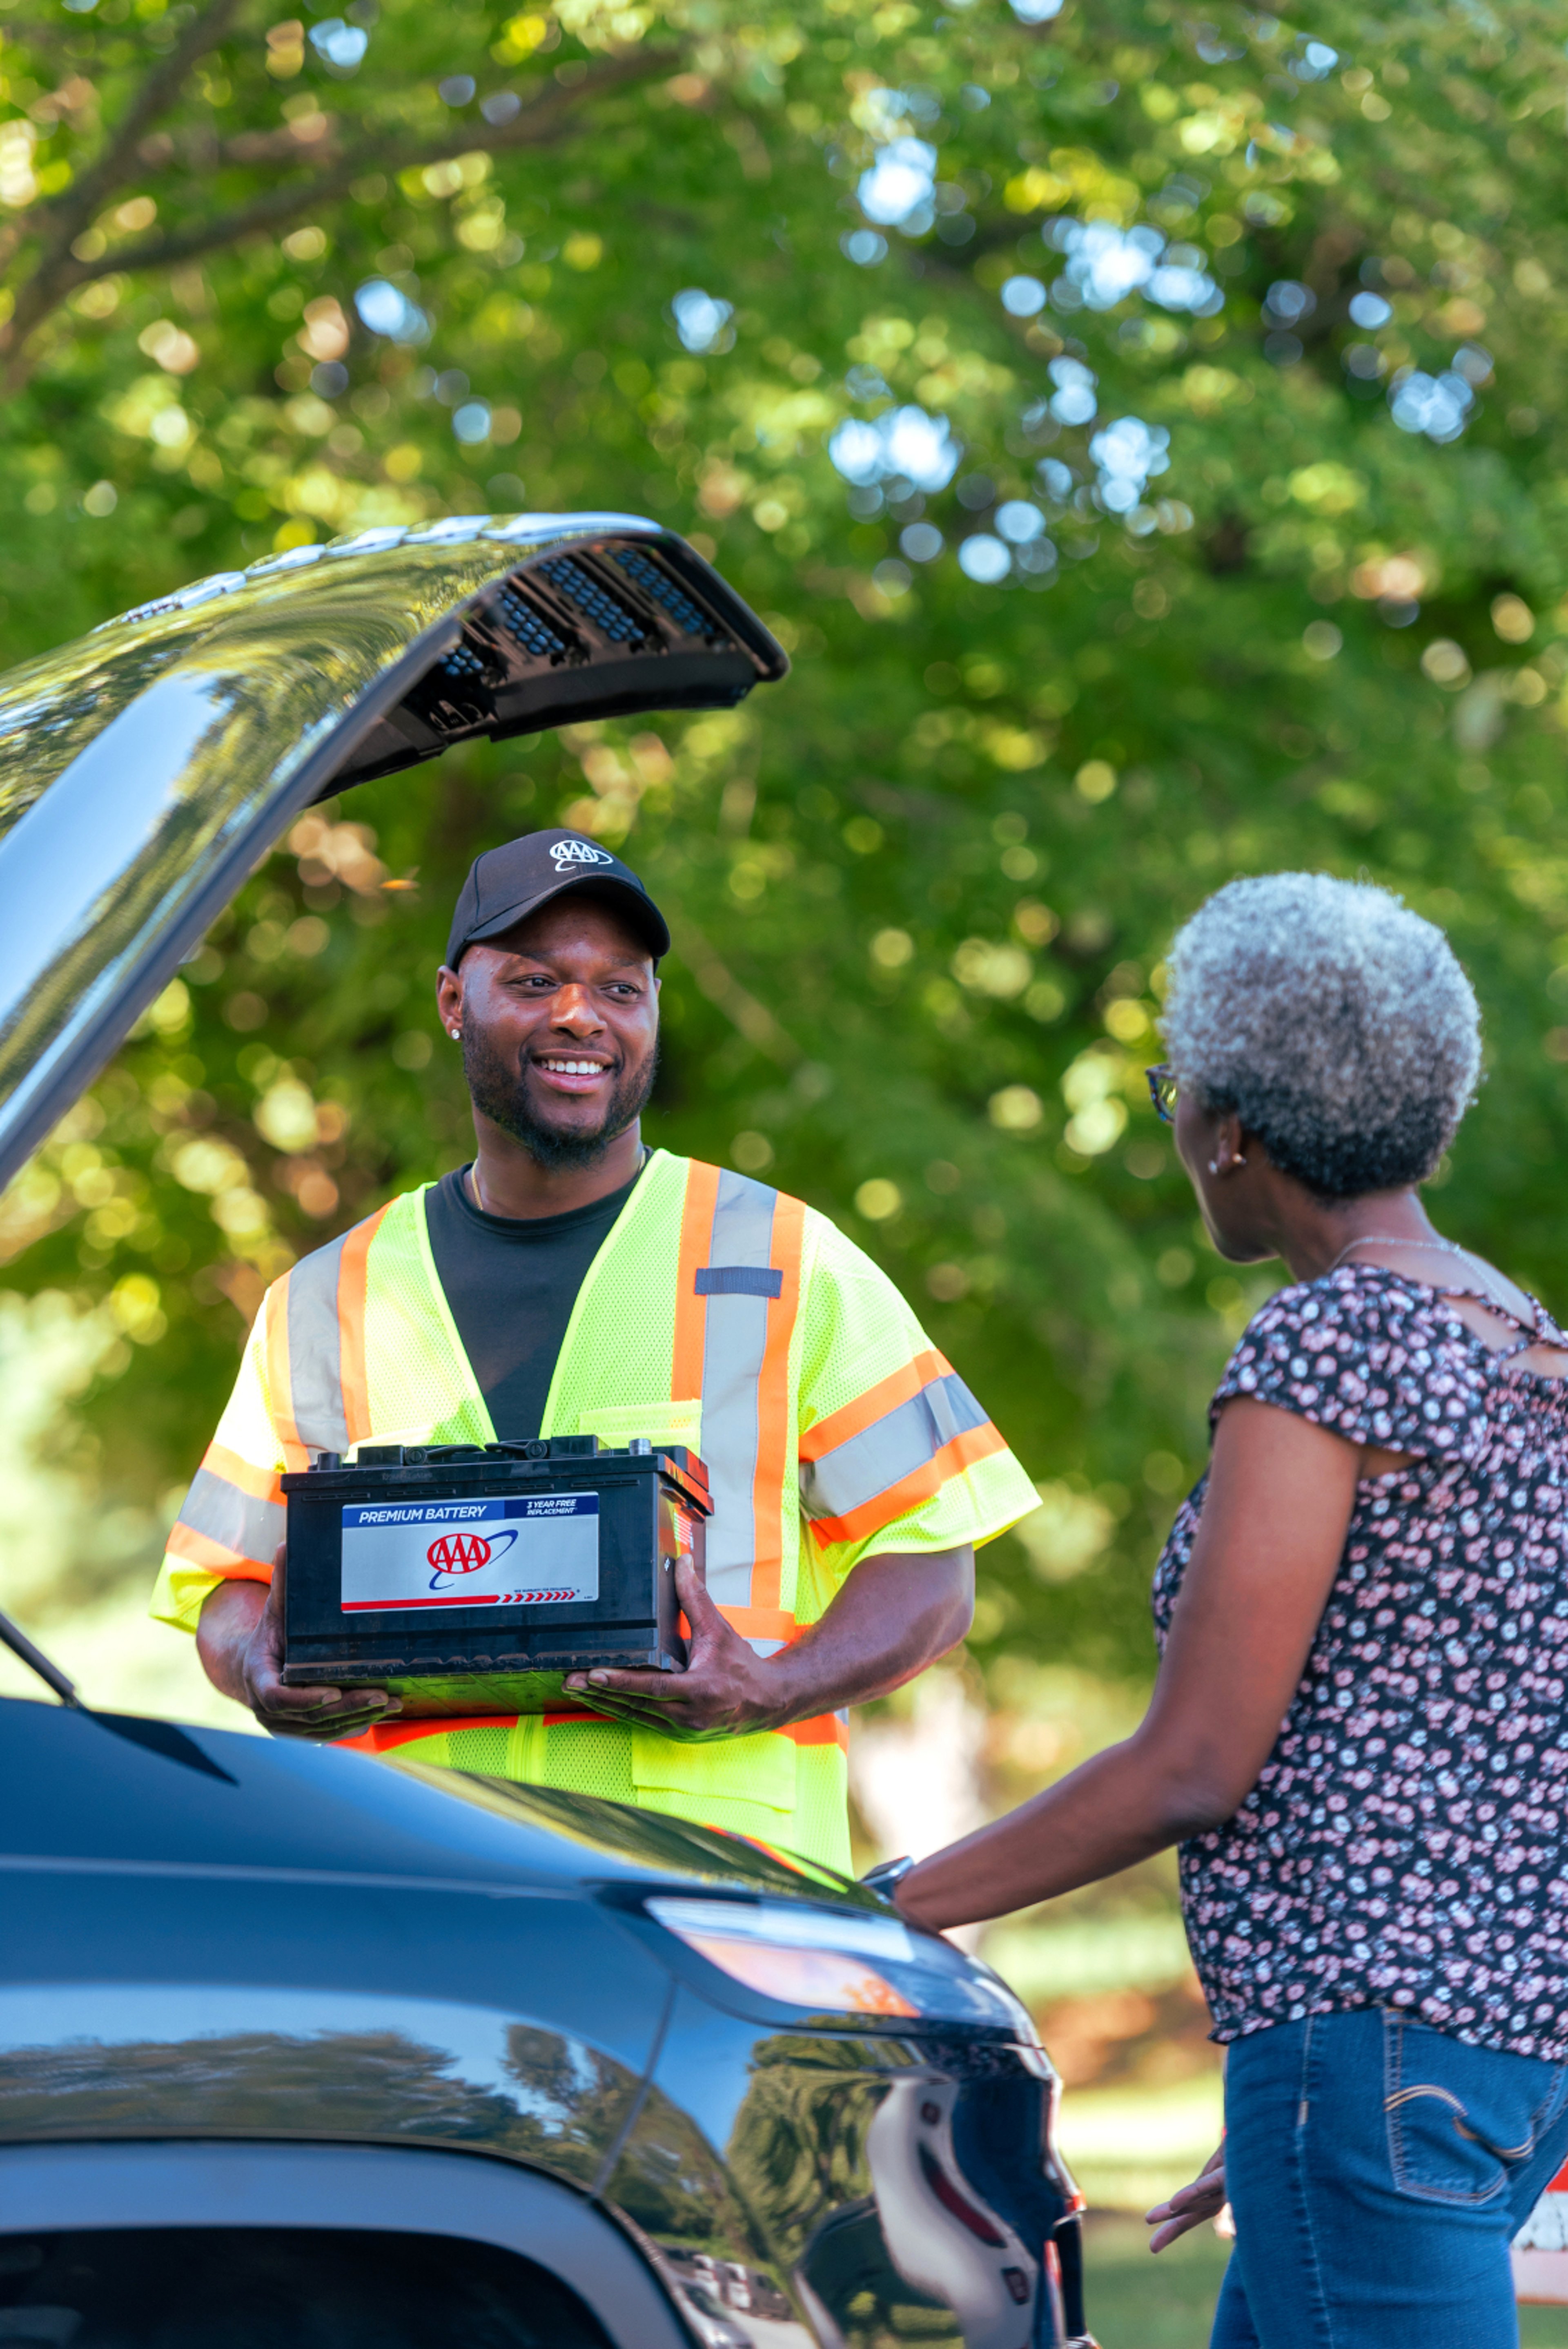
(304, 2063)
(940, 2234)
(877, 2190)
(646, 1841)
(729, 2305)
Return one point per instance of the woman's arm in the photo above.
(1268, 1545)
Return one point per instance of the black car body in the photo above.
(301, 2048)
(268, 1989)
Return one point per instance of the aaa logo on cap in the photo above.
(465, 1553)
(576, 851)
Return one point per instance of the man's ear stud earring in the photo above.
(1215, 1168)
(453, 1034)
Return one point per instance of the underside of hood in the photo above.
(147, 768)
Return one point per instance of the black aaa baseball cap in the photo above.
(507, 884)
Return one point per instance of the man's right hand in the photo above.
(240, 1640)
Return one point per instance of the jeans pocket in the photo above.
(1460, 2119)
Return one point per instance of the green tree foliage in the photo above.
(1256, 330)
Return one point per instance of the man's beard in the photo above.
(499, 1090)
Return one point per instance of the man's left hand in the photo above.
(724, 1690)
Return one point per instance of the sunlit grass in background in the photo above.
(1135, 2301)
(1130, 2148)
(1091, 1955)
(1119, 2007)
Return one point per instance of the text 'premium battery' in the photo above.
(471, 1578)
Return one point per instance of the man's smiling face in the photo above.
(559, 1025)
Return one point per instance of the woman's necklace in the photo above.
(1388, 1239)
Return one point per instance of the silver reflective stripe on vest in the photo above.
(891, 1449)
(316, 1359)
(733, 1342)
(220, 1510)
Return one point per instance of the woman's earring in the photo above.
(453, 1034)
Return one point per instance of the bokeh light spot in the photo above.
(921, 541)
(984, 558)
(1512, 618)
(1018, 521)
(702, 320)
(1022, 297)
(1017, 1109)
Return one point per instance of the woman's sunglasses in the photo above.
(1162, 1091)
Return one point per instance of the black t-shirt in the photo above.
(511, 1282)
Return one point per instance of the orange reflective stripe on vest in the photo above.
(233, 1515)
(316, 1349)
(766, 1629)
(823, 1729)
(891, 1449)
(736, 1302)
(736, 1305)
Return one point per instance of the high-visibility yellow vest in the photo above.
(718, 1313)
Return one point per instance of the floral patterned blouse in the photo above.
(1407, 1844)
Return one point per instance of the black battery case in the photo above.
(445, 1659)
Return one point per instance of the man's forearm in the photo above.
(240, 1640)
(229, 1618)
(896, 1616)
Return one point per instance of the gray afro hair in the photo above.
(1335, 1023)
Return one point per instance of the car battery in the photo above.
(471, 1578)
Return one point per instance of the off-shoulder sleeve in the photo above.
(1376, 1362)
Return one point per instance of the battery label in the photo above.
(541, 1551)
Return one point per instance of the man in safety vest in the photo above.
(571, 1282)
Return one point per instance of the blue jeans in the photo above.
(1378, 2171)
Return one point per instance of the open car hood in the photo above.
(147, 768)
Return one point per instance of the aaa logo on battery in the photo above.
(465, 1553)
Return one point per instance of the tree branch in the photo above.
(57, 273)
(118, 163)
(725, 993)
(50, 278)
(538, 126)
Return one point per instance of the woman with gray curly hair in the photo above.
(1360, 1732)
